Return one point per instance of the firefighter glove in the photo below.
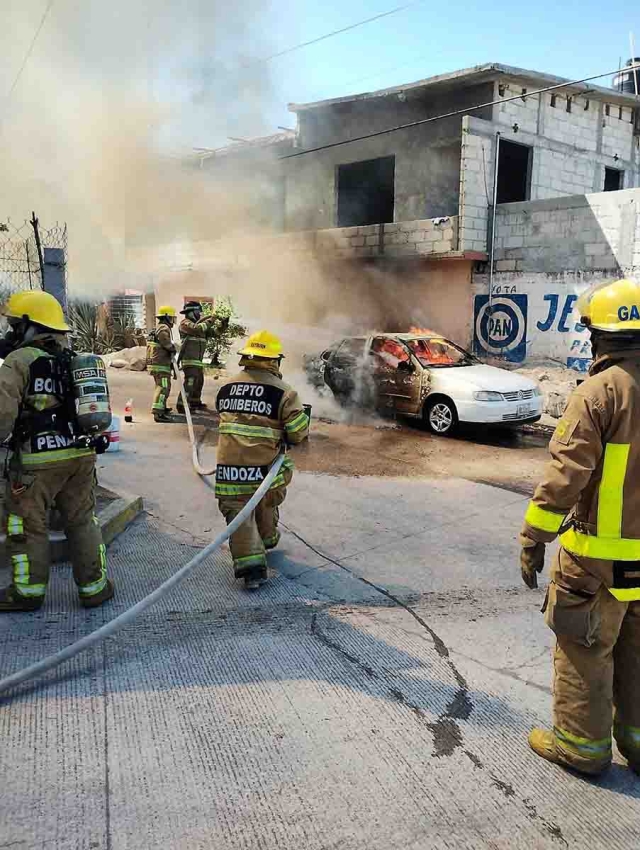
(531, 561)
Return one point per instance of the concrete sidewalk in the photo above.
(316, 713)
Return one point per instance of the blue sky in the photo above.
(569, 39)
(189, 54)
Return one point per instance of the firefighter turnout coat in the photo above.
(259, 413)
(590, 494)
(193, 336)
(160, 347)
(44, 468)
(31, 405)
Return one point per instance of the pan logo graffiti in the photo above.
(501, 328)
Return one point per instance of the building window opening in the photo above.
(607, 110)
(514, 172)
(613, 179)
(554, 100)
(366, 192)
(569, 104)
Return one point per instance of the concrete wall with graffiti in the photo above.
(547, 254)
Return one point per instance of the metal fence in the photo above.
(23, 250)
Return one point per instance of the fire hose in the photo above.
(192, 437)
(113, 626)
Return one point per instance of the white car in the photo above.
(426, 376)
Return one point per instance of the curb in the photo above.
(119, 512)
(118, 515)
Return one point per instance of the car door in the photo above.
(396, 376)
(341, 372)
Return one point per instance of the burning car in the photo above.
(423, 375)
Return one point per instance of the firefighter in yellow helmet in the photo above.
(34, 409)
(160, 350)
(259, 413)
(590, 498)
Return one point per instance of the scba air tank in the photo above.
(91, 391)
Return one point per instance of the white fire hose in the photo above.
(110, 628)
(192, 437)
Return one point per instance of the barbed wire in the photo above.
(19, 260)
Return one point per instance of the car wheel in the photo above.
(441, 416)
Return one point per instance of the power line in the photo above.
(334, 33)
(457, 112)
(30, 50)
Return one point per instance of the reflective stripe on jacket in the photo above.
(258, 413)
(160, 347)
(590, 494)
(31, 405)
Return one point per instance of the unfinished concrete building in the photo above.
(388, 196)
(574, 140)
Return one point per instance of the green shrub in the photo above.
(225, 330)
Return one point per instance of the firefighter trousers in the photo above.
(162, 392)
(596, 667)
(29, 497)
(250, 542)
(193, 385)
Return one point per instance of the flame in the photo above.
(422, 332)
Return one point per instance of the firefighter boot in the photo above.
(633, 765)
(99, 598)
(626, 750)
(255, 579)
(161, 417)
(10, 601)
(545, 744)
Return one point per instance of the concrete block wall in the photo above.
(571, 150)
(617, 133)
(429, 237)
(476, 184)
(547, 253)
(557, 173)
(572, 121)
(583, 232)
(523, 112)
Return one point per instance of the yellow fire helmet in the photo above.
(166, 311)
(39, 307)
(263, 344)
(613, 306)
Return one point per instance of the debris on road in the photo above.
(556, 382)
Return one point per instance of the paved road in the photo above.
(319, 713)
